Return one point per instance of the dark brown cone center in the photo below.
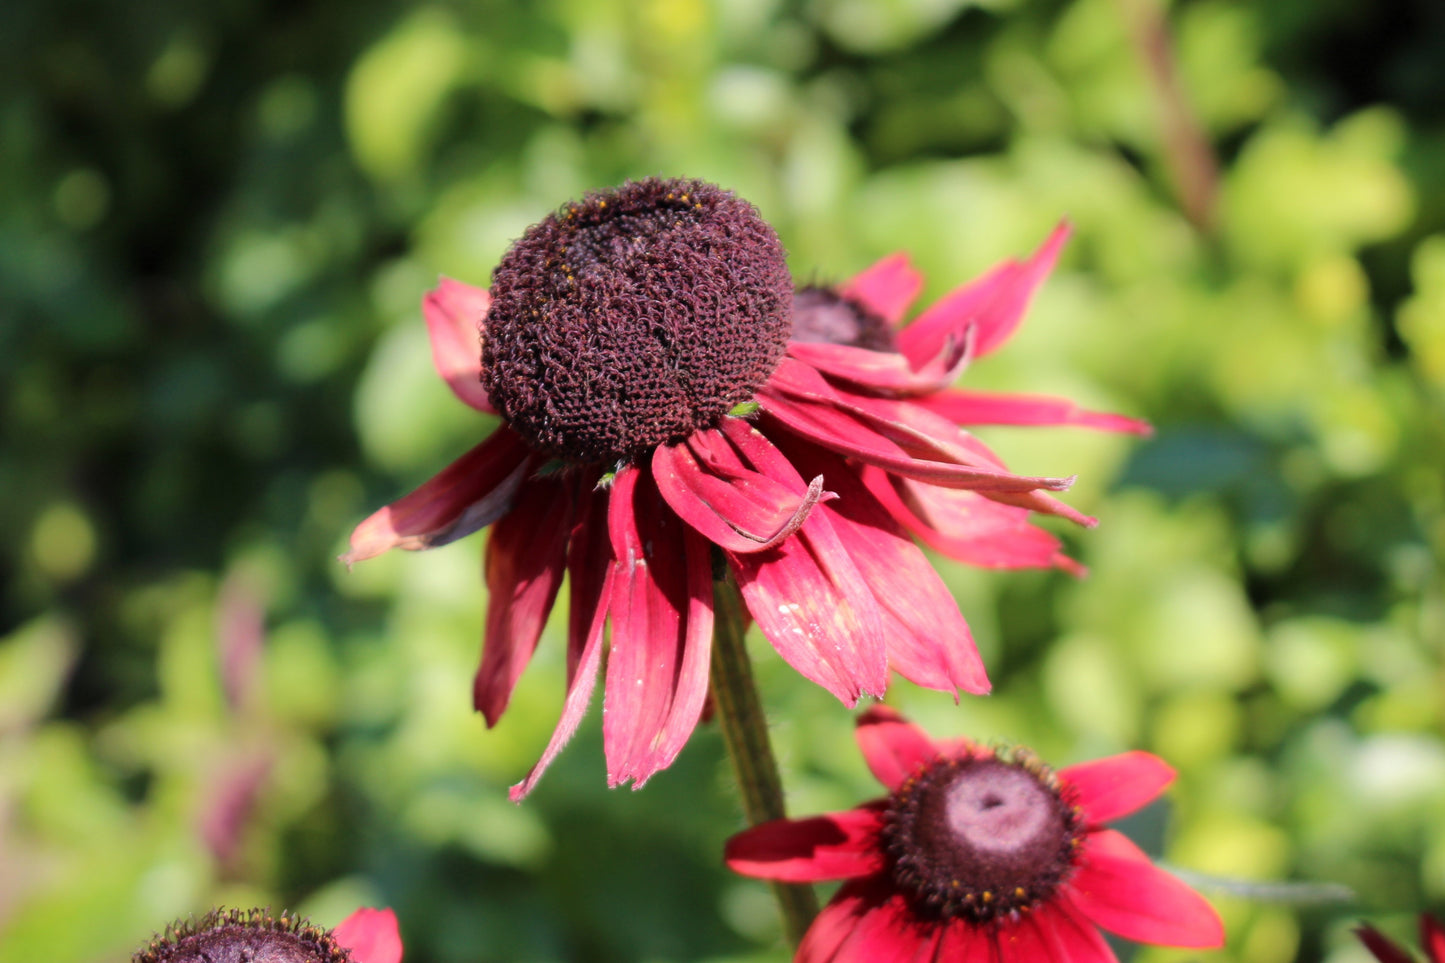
(823, 315)
(635, 317)
(981, 838)
(244, 936)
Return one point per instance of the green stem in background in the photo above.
(745, 729)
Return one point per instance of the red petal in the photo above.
(868, 921)
(455, 313)
(987, 408)
(884, 372)
(371, 935)
(526, 556)
(833, 925)
(579, 692)
(807, 595)
(837, 846)
(735, 508)
(967, 942)
(1023, 941)
(1382, 947)
(887, 288)
(1118, 785)
(1074, 938)
(661, 611)
(993, 304)
(589, 562)
(874, 440)
(893, 747)
(929, 642)
(964, 525)
(467, 495)
(1432, 938)
(1118, 888)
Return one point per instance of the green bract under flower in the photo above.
(634, 318)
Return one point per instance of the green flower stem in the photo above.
(745, 729)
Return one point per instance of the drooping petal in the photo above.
(467, 495)
(893, 747)
(884, 373)
(989, 408)
(1073, 937)
(526, 556)
(836, 846)
(371, 935)
(964, 525)
(835, 922)
(454, 316)
(1117, 887)
(1023, 941)
(877, 439)
(661, 612)
(589, 562)
(579, 693)
(887, 288)
(1383, 948)
(993, 305)
(929, 643)
(1118, 785)
(807, 594)
(735, 508)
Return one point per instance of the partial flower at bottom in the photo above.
(656, 417)
(980, 855)
(259, 936)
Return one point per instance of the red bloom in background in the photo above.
(366, 936)
(855, 336)
(626, 343)
(1432, 939)
(980, 855)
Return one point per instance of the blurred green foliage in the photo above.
(216, 223)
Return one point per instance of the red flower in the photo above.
(982, 855)
(1432, 938)
(366, 936)
(855, 337)
(626, 342)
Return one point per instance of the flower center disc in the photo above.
(251, 936)
(824, 315)
(982, 837)
(635, 318)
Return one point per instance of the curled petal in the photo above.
(807, 595)
(371, 935)
(885, 372)
(994, 303)
(526, 556)
(455, 313)
(964, 525)
(893, 747)
(887, 288)
(929, 643)
(735, 508)
(467, 495)
(837, 846)
(1117, 887)
(661, 612)
(987, 408)
(1114, 787)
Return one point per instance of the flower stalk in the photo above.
(745, 730)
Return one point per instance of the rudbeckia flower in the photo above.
(655, 416)
(366, 936)
(980, 854)
(1386, 950)
(855, 335)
